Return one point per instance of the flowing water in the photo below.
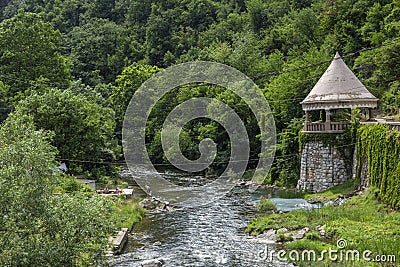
(211, 235)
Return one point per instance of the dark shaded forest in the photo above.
(74, 65)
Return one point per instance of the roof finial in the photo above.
(337, 56)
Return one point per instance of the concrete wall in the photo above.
(324, 166)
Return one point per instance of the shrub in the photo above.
(284, 238)
(266, 205)
(313, 235)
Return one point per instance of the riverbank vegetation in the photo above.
(266, 205)
(375, 211)
(380, 226)
(333, 193)
(127, 212)
(47, 218)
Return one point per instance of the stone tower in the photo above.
(325, 164)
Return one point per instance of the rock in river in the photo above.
(153, 263)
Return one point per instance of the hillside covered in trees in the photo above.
(74, 65)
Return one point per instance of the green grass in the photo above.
(291, 221)
(266, 205)
(304, 244)
(313, 235)
(362, 221)
(248, 175)
(334, 192)
(127, 212)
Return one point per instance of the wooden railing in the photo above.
(325, 127)
(314, 127)
(395, 125)
(339, 127)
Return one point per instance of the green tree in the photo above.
(30, 51)
(160, 26)
(64, 14)
(223, 30)
(173, 27)
(199, 129)
(84, 130)
(103, 8)
(99, 49)
(39, 228)
(380, 68)
(286, 170)
(258, 14)
(10, 7)
(127, 83)
(343, 19)
(374, 28)
(286, 90)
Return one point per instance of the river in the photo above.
(211, 235)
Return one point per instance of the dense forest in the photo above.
(74, 65)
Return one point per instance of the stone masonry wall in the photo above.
(323, 166)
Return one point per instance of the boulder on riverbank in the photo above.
(323, 200)
(283, 234)
(153, 263)
(155, 205)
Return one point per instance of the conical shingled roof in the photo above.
(338, 88)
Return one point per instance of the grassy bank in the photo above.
(333, 193)
(363, 222)
(127, 212)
